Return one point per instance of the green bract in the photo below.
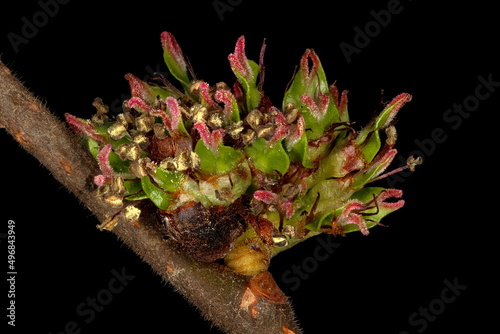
(280, 176)
(224, 160)
(268, 158)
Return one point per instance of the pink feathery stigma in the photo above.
(352, 206)
(281, 127)
(228, 99)
(99, 180)
(269, 197)
(169, 44)
(262, 68)
(288, 209)
(104, 165)
(103, 160)
(83, 127)
(205, 94)
(351, 215)
(323, 103)
(217, 136)
(296, 132)
(238, 60)
(390, 193)
(352, 157)
(204, 133)
(309, 102)
(138, 104)
(211, 140)
(343, 103)
(163, 115)
(383, 160)
(335, 94)
(397, 103)
(139, 88)
(175, 113)
(170, 122)
(317, 110)
(308, 73)
(359, 221)
(266, 196)
(237, 90)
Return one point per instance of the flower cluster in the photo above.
(234, 176)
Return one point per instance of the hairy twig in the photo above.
(223, 297)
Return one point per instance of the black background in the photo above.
(369, 284)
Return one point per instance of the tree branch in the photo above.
(223, 297)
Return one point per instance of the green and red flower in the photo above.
(235, 177)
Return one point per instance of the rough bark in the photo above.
(223, 297)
